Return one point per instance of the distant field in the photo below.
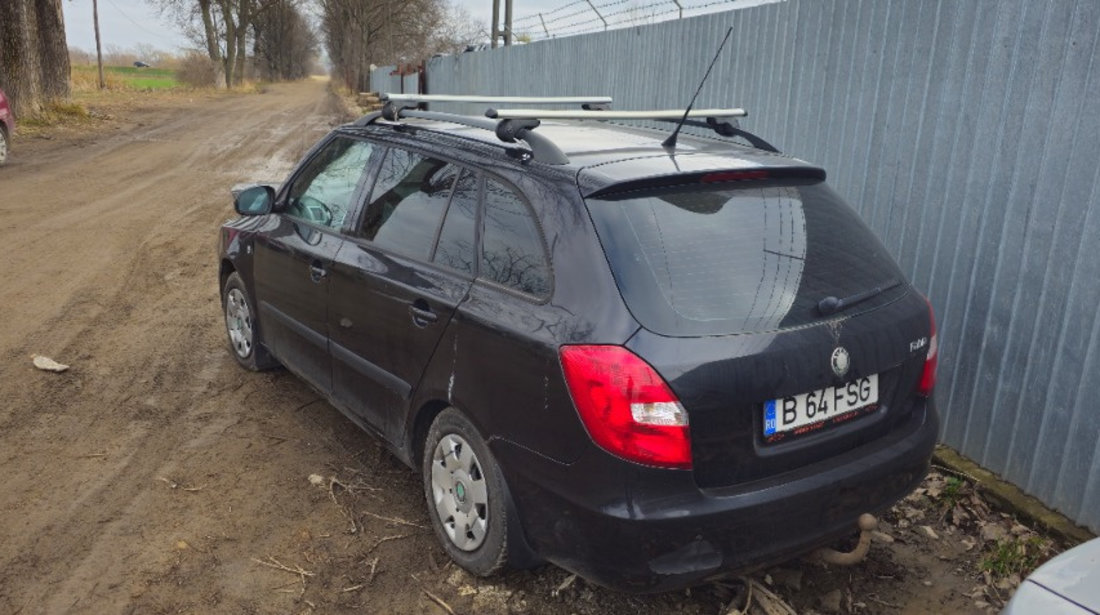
(129, 77)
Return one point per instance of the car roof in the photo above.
(603, 153)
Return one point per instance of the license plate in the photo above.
(806, 412)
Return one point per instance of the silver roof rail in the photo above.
(513, 125)
(660, 114)
(506, 100)
(508, 131)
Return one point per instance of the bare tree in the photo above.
(359, 33)
(221, 27)
(34, 60)
(285, 45)
(148, 53)
(456, 31)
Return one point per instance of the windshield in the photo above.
(760, 257)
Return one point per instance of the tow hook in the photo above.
(867, 524)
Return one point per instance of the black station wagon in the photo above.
(648, 364)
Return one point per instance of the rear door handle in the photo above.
(422, 313)
(317, 271)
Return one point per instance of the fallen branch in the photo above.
(277, 565)
(395, 520)
(735, 610)
(440, 602)
(766, 599)
(373, 565)
(564, 585)
(883, 602)
(387, 539)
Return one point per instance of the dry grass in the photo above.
(88, 80)
(52, 115)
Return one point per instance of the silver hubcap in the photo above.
(459, 492)
(238, 320)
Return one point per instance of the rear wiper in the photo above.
(832, 305)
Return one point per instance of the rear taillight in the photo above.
(928, 376)
(626, 406)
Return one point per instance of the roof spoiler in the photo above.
(715, 177)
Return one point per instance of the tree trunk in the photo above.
(213, 49)
(19, 65)
(53, 51)
(230, 60)
(244, 18)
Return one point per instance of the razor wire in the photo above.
(592, 16)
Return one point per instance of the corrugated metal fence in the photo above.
(388, 79)
(966, 132)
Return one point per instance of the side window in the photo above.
(322, 193)
(456, 240)
(407, 203)
(511, 247)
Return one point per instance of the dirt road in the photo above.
(155, 476)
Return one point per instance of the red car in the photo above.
(7, 127)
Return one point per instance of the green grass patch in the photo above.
(126, 77)
(1015, 556)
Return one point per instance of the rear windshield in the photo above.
(758, 257)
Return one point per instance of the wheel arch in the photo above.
(225, 269)
(419, 426)
(7, 138)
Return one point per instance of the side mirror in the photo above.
(255, 200)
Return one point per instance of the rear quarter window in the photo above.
(512, 252)
(753, 258)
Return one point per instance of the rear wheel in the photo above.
(245, 342)
(467, 496)
(3, 146)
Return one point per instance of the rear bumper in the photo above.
(643, 530)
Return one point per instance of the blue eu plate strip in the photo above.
(769, 417)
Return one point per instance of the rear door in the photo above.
(294, 257)
(393, 290)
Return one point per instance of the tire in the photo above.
(468, 501)
(243, 330)
(4, 145)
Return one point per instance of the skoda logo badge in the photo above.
(840, 361)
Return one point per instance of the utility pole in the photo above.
(497, 32)
(98, 49)
(496, 23)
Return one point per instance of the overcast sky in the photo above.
(127, 23)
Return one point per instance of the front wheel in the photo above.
(467, 496)
(240, 324)
(3, 146)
